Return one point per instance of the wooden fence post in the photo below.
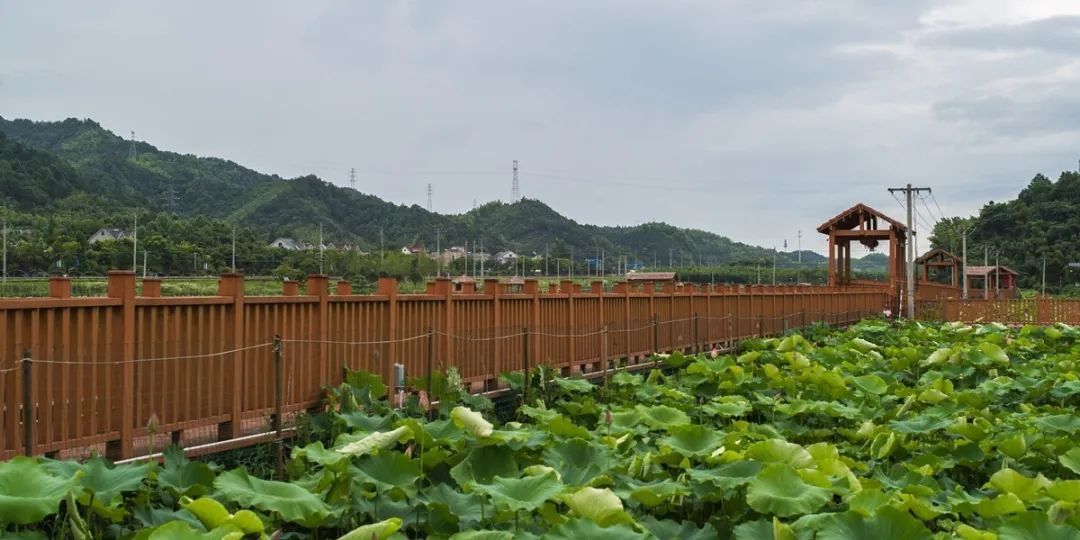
(28, 404)
(387, 286)
(232, 285)
(318, 285)
(121, 285)
(279, 448)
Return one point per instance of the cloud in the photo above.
(751, 119)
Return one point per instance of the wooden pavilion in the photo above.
(869, 227)
(939, 259)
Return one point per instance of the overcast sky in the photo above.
(750, 119)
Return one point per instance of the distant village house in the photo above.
(108, 235)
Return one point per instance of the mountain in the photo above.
(159, 180)
(1041, 224)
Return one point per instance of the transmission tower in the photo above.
(515, 194)
(429, 197)
(352, 178)
(131, 149)
(168, 198)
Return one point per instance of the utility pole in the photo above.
(545, 260)
(774, 265)
(986, 256)
(144, 264)
(1044, 277)
(515, 190)
(571, 270)
(322, 248)
(997, 275)
(670, 259)
(438, 252)
(135, 238)
(963, 261)
(798, 268)
(234, 249)
(382, 248)
(5, 247)
(910, 263)
(481, 258)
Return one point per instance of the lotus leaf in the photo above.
(292, 502)
(778, 489)
(28, 492)
(375, 531)
(471, 421)
(526, 493)
(599, 505)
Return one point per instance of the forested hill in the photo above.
(94, 160)
(1043, 221)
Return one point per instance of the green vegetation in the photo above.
(879, 431)
(1043, 222)
(82, 176)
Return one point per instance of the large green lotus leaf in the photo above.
(656, 493)
(561, 426)
(580, 529)
(1065, 490)
(693, 440)
(888, 524)
(1071, 459)
(862, 345)
(28, 492)
(466, 506)
(1035, 526)
(727, 407)
(293, 503)
(526, 493)
(1010, 481)
(578, 461)
(662, 416)
(364, 421)
(1068, 423)
(374, 531)
(937, 357)
(994, 352)
(23, 535)
(781, 451)
(483, 464)
(390, 470)
(686, 530)
(868, 501)
(320, 455)
(871, 384)
(579, 386)
(999, 506)
(471, 421)
(483, 535)
(180, 530)
(921, 424)
(380, 440)
(213, 514)
(599, 505)
(764, 530)
(182, 476)
(107, 481)
(727, 476)
(778, 489)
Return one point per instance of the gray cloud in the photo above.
(1055, 34)
(763, 118)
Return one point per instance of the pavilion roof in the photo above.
(851, 218)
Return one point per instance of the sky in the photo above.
(752, 119)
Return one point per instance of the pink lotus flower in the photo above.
(714, 353)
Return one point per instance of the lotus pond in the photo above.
(879, 431)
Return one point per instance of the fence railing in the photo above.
(1014, 311)
(122, 375)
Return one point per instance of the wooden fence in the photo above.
(124, 374)
(1016, 311)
